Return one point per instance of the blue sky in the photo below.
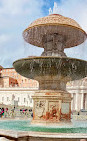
(16, 15)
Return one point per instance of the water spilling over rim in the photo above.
(51, 24)
(74, 35)
(61, 68)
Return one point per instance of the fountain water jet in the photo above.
(52, 103)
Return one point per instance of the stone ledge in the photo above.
(18, 134)
(18, 89)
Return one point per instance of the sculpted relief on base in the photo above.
(39, 108)
(54, 107)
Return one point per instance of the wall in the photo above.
(20, 80)
(22, 96)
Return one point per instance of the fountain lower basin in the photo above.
(59, 68)
(17, 130)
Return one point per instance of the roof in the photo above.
(5, 68)
(1, 67)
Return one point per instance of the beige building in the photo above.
(10, 78)
(16, 89)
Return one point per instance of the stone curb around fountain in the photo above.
(18, 134)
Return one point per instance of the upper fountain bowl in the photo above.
(55, 24)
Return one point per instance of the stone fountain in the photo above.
(53, 69)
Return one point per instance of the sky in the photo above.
(16, 15)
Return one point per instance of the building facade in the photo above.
(18, 90)
(78, 90)
(16, 96)
(10, 78)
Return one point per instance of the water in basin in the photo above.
(24, 125)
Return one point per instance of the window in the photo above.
(29, 97)
(31, 100)
(7, 98)
(18, 99)
(2, 98)
(24, 100)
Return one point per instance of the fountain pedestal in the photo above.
(51, 106)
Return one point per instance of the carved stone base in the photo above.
(51, 107)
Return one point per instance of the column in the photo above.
(82, 100)
(86, 101)
(76, 106)
(72, 101)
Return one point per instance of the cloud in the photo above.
(15, 16)
(4, 38)
(18, 7)
(77, 10)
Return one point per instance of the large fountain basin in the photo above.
(24, 125)
(65, 69)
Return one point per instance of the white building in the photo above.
(23, 96)
(16, 96)
(78, 90)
